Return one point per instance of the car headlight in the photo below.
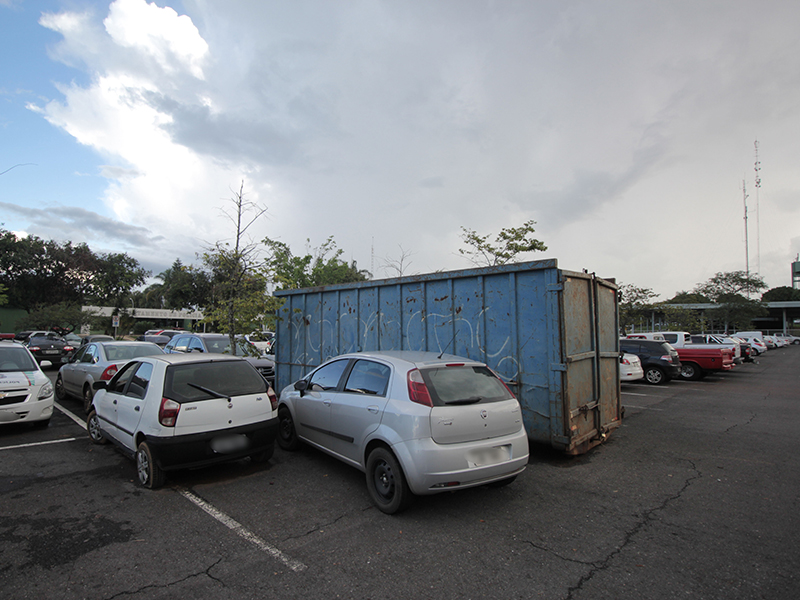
(46, 391)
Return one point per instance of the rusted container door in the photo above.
(591, 360)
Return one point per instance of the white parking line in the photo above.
(38, 444)
(643, 407)
(240, 530)
(71, 415)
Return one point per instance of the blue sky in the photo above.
(625, 129)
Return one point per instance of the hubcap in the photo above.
(384, 480)
(142, 466)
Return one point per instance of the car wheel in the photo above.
(150, 474)
(93, 428)
(61, 393)
(691, 371)
(264, 455)
(287, 436)
(386, 482)
(655, 376)
(88, 396)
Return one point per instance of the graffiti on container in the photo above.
(467, 335)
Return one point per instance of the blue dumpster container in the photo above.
(551, 334)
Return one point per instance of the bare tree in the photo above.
(397, 266)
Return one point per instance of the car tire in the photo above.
(61, 393)
(691, 371)
(264, 455)
(150, 474)
(655, 376)
(386, 482)
(287, 435)
(93, 429)
(88, 396)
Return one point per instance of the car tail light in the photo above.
(34, 348)
(417, 390)
(625, 361)
(68, 348)
(273, 399)
(110, 371)
(168, 412)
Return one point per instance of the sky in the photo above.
(626, 129)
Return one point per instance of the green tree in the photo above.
(508, 245)
(635, 306)
(688, 298)
(184, 286)
(729, 291)
(64, 318)
(324, 267)
(781, 294)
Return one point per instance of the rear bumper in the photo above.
(197, 450)
(431, 468)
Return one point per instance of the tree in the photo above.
(732, 283)
(781, 294)
(509, 243)
(184, 286)
(397, 266)
(115, 276)
(238, 278)
(324, 267)
(635, 306)
(64, 318)
(688, 298)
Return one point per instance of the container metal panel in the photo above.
(550, 334)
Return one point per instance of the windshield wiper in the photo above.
(471, 400)
(210, 392)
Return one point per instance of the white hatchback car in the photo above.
(26, 394)
(175, 411)
(414, 422)
(630, 367)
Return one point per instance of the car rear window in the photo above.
(121, 352)
(225, 378)
(464, 385)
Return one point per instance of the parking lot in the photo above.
(695, 496)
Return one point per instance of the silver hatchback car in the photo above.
(413, 422)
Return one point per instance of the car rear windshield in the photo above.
(464, 385)
(120, 352)
(16, 359)
(223, 378)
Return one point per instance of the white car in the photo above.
(756, 343)
(175, 411)
(26, 394)
(630, 367)
(413, 422)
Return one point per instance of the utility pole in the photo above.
(746, 241)
(758, 216)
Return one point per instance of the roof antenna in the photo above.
(446, 347)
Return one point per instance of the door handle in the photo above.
(326, 402)
(373, 409)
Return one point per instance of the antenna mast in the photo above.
(746, 243)
(758, 221)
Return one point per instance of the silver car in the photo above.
(98, 361)
(413, 422)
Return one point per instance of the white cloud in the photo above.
(624, 129)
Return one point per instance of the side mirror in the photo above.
(99, 385)
(301, 386)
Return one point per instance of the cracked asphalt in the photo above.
(695, 496)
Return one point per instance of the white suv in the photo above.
(177, 411)
(414, 422)
(26, 394)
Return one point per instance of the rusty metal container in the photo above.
(551, 334)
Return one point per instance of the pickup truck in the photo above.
(684, 339)
(708, 340)
(697, 361)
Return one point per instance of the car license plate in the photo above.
(488, 456)
(228, 444)
(51, 351)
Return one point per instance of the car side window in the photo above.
(328, 377)
(90, 354)
(196, 345)
(121, 379)
(181, 344)
(79, 355)
(140, 380)
(368, 377)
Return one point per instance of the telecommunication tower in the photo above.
(758, 222)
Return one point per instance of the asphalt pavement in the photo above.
(694, 496)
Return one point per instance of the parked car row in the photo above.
(415, 423)
(668, 355)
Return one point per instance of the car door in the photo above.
(313, 407)
(130, 403)
(107, 403)
(70, 373)
(356, 411)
